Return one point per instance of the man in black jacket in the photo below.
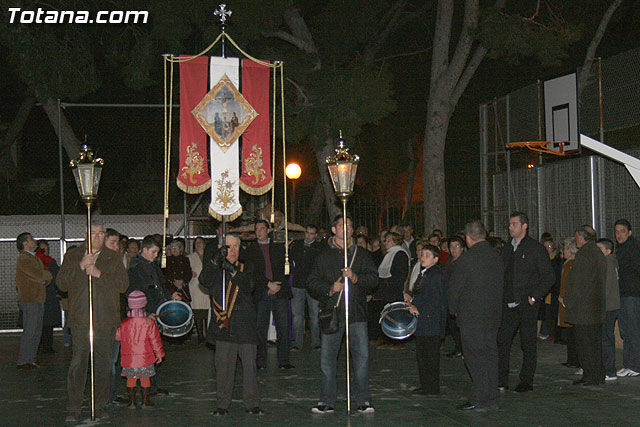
(302, 254)
(326, 283)
(528, 276)
(628, 254)
(233, 329)
(475, 296)
(271, 293)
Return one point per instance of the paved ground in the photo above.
(30, 398)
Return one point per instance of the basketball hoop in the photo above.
(541, 146)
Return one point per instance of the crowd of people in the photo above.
(476, 288)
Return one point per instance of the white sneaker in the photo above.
(579, 372)
(625, 372)
(610, 378)
(366, 408)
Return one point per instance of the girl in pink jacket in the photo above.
(140, 348)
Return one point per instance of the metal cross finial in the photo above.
(223, 13)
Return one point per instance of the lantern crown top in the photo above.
(86, 156)
(342, 153)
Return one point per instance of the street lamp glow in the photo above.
(293, 171)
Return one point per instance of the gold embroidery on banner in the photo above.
(194, 163)
(253, 165)
(225, 194)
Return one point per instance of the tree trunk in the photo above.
(325, 179)
(8, 166)
(433, 183)
(411, 173)
(70, 143)
(585, 71)
(313, 214)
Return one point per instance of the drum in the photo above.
(174, 318)
(396, 321)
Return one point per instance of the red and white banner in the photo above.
(215, 111)
(193, 172)
(256, 175)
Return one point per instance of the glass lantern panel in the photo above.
(333, 172)
(97, 171)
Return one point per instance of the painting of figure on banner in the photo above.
(224, 113)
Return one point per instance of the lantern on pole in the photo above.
(87, 171)
(342, 169)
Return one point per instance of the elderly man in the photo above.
(326, 283)
(31, 281)
(109, 279)
(475, 296)
(585, 304)
(233, 329)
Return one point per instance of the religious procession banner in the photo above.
(256, 175)
(234, 122)
(193, 173)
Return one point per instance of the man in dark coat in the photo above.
(271, 293)
(109, 279)
(302, 254)
(628, 254)
(326, 283)
(475, 296)
(528, 276)
(585, 304)
(233, 330)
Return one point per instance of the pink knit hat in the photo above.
(136, 300)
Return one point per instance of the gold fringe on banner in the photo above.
(229, 218)
(256, 191)
(194, 190)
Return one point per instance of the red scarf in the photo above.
(46, 259)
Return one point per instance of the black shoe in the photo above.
(524, 387)
(286, 366)
(49, 351)
(295, 348)
(255, 411)
(454, 354)
(220, 412)
(423, 392)
(366, 408)
(503, 387)
(581, 381)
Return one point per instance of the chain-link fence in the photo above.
(559, 193)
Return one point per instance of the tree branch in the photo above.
(585, 70)
(393, 21)
(441, 40)
(399, 55)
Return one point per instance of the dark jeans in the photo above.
(589, 347)
(428, 357)
(300, 296)
(609, 343)
(32, 329)
(359, 350)
(629, 318)
(524, 317)
(79, 366)
(280, 309)
(481, 357)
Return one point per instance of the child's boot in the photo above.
(132, 398)
(146, 402)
